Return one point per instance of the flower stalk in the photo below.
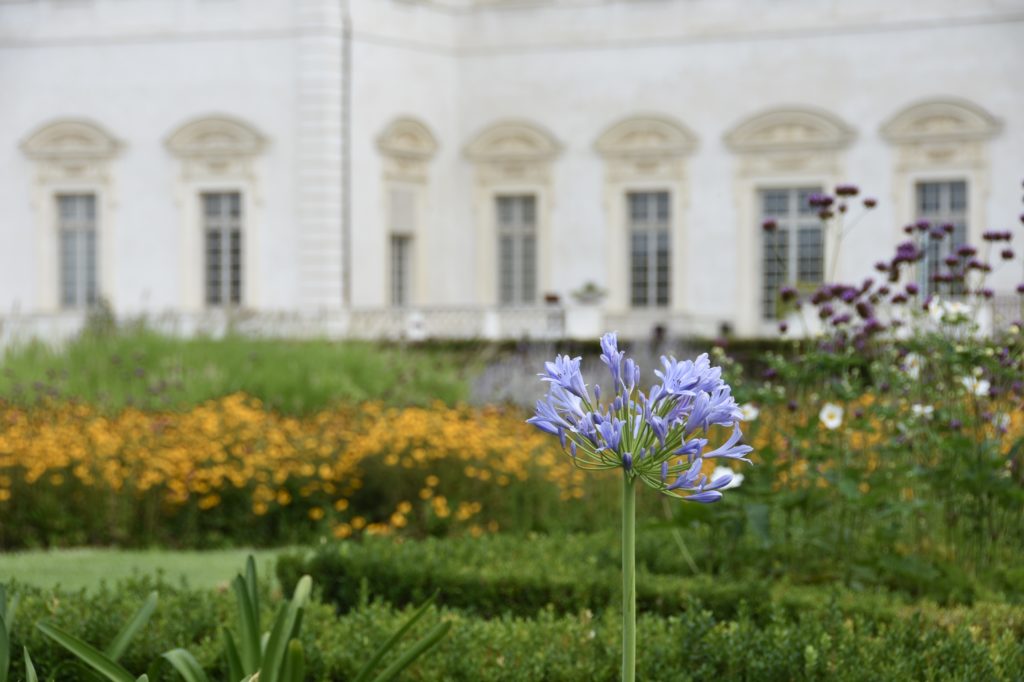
(628, 578)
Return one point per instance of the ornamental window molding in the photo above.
(407, 146)
(218, 154)
(71, 150)
(216, 147)
(647, 147)
(513, 151)
(644, 155)
(946, 131)
(72, 157)
(789, 140)
(941, 139)
(512, 158)
(781, 148)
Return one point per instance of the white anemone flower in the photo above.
(976, 385)
(912, 365)
(924, 411)
(737, 479)
(750, 412)
(831, 416)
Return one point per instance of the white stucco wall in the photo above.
(570, 67)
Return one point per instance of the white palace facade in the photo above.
(484, 168)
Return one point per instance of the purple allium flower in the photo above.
(1020, 288)
(991, 235)
(923, 225)
(783, 327)
(936, 235)
(966, 250)
(770, 225)
(788, 294)
(899, 299)
(912, 289)
(826, 311)
(850, 295)
(948, 228)
(847, 190)
(870, 202)
(839, 320)
(1007, 254)
(644, 435)
(987, 293)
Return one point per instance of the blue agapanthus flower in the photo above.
(660, 437)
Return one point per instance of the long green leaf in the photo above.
(235, 670)
(415, 651)
(364, 674)
(132, 627)
(253, 585)
(284, 630)
(142, 678)
(5, 650)
(294, 663)
(30, 670)
(186, 665)
(89, 655)
(248, 627)
(12, 611)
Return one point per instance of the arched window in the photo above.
(941, 173)
(645, 195)
(73, 197)
(783, 155)
(513, 180)
(218, 190)
(407, 146)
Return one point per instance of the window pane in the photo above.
(528, 211)
(213, 267)
(401, 248)
(235, 261)
(529, 270)
(506, 265)
(639, 269)
(803, 200)
(775, 202)
(662, 266)
(941, 203)
(223, 247)
(649, 257)
(69, 268)
(810, 255)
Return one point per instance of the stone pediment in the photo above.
(216, 137)
(513, 141)
(642, 137)
(940, 120)
(790, 129)
(407, 138)
(69, 140)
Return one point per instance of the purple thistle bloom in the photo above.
(923, 225)
(847, 190)
(1007, 254)
(870, 202)
(912, 289)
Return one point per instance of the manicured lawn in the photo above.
(87, 568)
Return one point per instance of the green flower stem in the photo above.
(628, 578)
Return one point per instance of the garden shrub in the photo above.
(985, 642)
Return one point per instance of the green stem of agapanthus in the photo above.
(628, 578)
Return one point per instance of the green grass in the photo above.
(74, 569)
(153, 371)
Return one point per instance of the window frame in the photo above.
(520, 232)
(81, 285)
(230, 297)
(791, 224)
(653, 231)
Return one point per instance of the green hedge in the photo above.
(985, 642)
(514, 575)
